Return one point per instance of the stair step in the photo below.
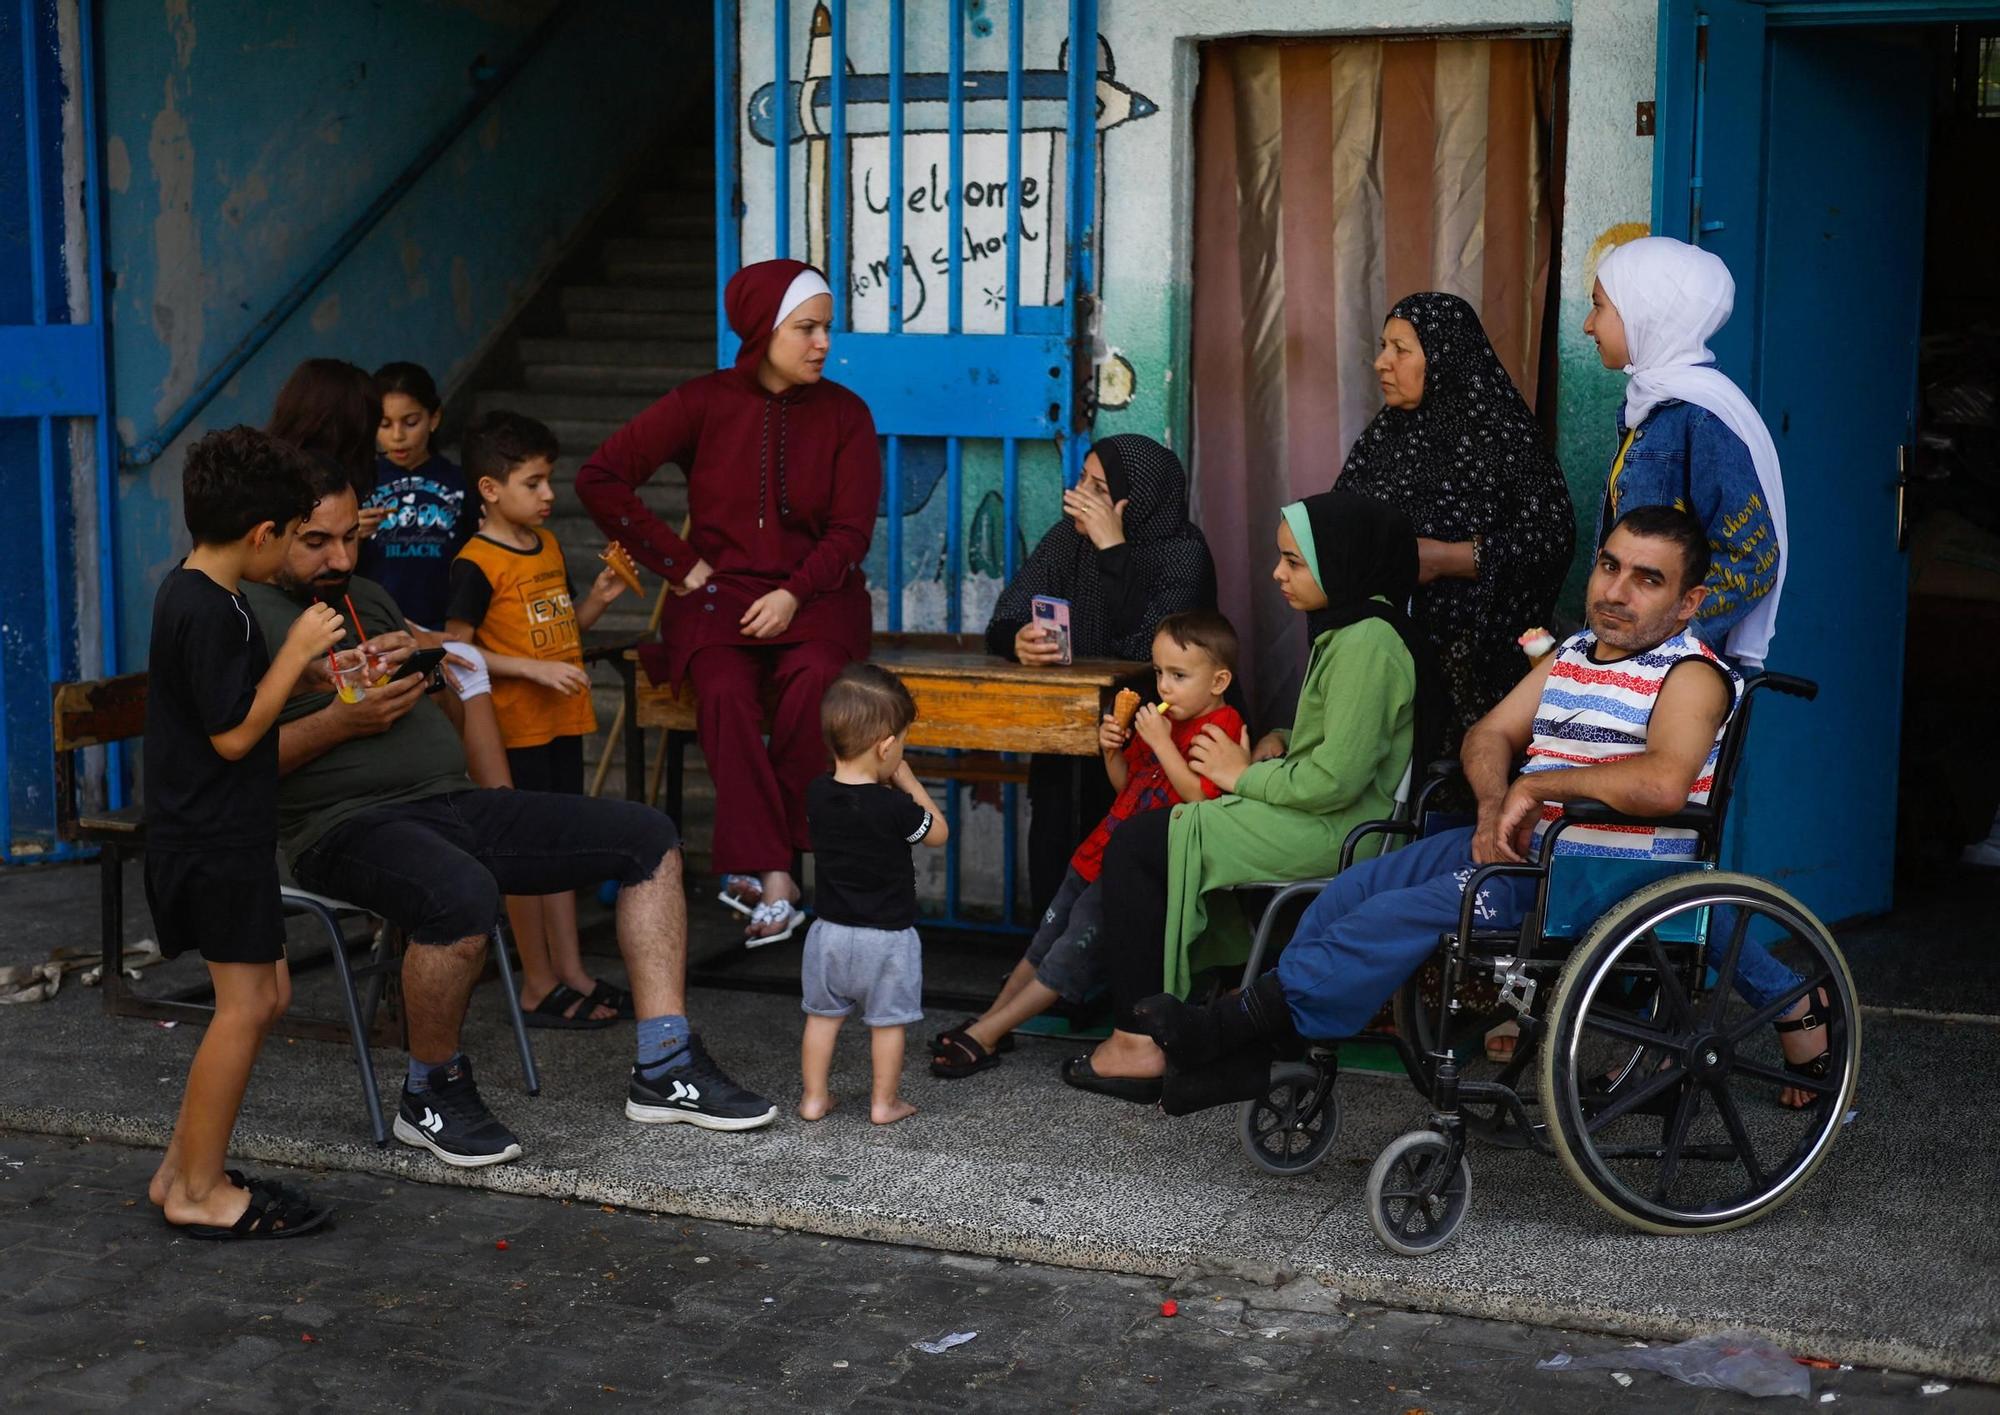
(688, 225)
(664, 274)
(609, 408)
(698, 316)
(690, 201)
(654, 380)
(638, 324)
(674, 250)
(583, 434)
(684, 353)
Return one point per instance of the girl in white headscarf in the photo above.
(1688, 436)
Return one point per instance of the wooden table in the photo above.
(967, 700)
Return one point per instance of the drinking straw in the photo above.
(360, 632)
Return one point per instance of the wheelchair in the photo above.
(1638, 1065)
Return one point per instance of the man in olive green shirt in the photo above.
(375, 808)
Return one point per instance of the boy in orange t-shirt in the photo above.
(510, 595)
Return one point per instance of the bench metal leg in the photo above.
(337, 944)
(675, 747)
(528, 1071)
(635, 735)
(111, 920)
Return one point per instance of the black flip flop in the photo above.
(1140, 1090)
(617, 999)
(554, 1011)
(1006, 1043)
(958, 1055)
(274, 1212)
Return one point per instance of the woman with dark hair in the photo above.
(1456, 449)
(1370, 703)
(1125, 556)
(331, 409)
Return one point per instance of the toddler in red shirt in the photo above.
(1194, 662)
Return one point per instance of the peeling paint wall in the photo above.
(241, 138)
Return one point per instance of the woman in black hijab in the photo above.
(1125, 556)
(1369, 708)
(1457, 451)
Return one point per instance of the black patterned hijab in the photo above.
(1470, 460)
(1168, 554)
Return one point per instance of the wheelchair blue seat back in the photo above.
(1583, 889)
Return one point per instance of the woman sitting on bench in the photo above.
(1371, 695)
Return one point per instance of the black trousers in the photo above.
(1134, 889)
(1060, 816)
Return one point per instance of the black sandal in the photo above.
(976, 1058)
(1140, 1090)
(555, 1009)
(617, 999)
(940, 1041)
(1815, 1069)
(274, 1212)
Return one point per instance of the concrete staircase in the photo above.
(624, 322)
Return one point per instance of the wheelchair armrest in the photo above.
(1407, 829)
(1588, 812)
(1442, 767)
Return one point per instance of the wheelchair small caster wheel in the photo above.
(1404, 1218)
(1290, 1128)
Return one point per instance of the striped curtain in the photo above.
(1332, 178)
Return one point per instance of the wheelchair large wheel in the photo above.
(1662, 1086)
(1413, 1208)
(1290, 1128)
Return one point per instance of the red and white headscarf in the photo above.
(759, 297)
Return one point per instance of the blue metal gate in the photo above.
(52, 374)
(1010, 371)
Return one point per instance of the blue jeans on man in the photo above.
(1376, 923)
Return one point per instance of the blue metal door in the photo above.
(54, 414)
(1806, 170)
(953, 209)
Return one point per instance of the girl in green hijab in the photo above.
(1350, 565)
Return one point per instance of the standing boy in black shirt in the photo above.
(211, 792)
(863, 949)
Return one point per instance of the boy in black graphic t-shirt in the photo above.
(211, 793)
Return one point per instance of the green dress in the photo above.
(1349, 747)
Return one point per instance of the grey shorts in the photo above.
(879, 970)
(1065, 951)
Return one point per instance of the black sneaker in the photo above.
(695, 1094)
(453, 1123)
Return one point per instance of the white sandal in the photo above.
(775, 911)
(746, 903)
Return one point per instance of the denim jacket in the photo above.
(1683, 455)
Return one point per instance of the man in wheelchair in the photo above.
(1629, 712)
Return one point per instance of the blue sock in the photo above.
(663, 1043)
(419, 1079)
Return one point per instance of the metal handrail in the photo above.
(246, 348)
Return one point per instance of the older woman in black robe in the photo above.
(1457, 451)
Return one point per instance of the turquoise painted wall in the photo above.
(241, 137)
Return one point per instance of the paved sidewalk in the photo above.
(1884, 1260)
(411, 1303)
